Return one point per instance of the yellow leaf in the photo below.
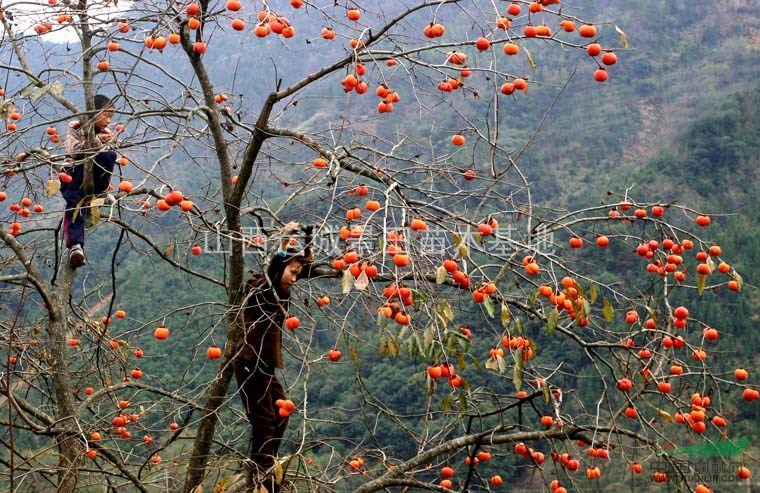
(393, 347)
(607, 311)
(738, 279)
(94, 214)
(501, 363)
(701, 280)
(489, 306)
(441, 275)
(52, 188)
(666, 416)
(551, 321)
(6, 108)
(506, 315)
(57, 88)
(710, 264)
(622, 36)
(348, 281)
(277, 472)
(517, 375)
(445, 310)
(531, 60)
(383, 350)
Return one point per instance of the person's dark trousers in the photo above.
(259, 390)
(73, 228)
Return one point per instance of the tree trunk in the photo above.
(70, 447)
(196, 468)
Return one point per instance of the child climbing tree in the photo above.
(396, 130)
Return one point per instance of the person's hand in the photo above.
(291, 228)
(105, 137)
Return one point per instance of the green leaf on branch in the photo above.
(517, 371)
(428, 339)
(519, 326)
(462, 247)
(420, 343)
(447, 403)
(429, 384)
(476, 364)
(506, 315)
(501, 363)
(583, 310)
(551, 321)
(593, 293)
(581, 291)
(607, 311)
(381, 322)
(445, 311)
(547, 393)
(451, 343)
(532, 299)
(421, 295)
(488, 305)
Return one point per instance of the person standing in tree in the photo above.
(259, 353)
(103, 163)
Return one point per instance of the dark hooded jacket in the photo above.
(263, 315)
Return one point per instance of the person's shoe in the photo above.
(76, 257)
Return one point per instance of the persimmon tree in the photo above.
(387, 126)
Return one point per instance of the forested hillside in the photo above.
(676, 125)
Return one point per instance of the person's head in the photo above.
(283, 271)
(104, 107)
